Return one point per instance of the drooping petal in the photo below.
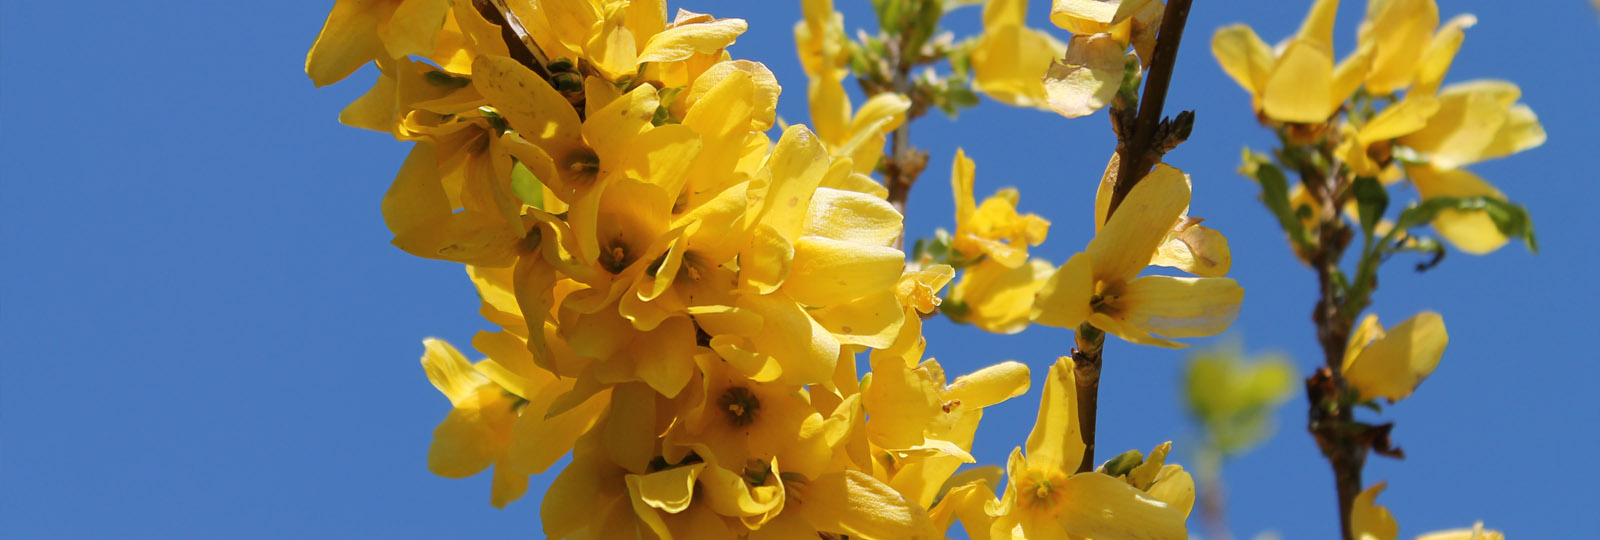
(1178, 307)
(1393, 365)
(797, 165)
(1130, 238)
(1300, 88)
(681, 42)
(1055, 442)
(1100, 506)
(1000, 299)
(1088, 77)
(1010, 61)
(1441, 53)
(1063, 302)
(989, 385)
(348, 40)
(861, 506)
(852, 217)
(507, 486)
(1244, 56)
(1473, 231)
(1398, 34)
(417, 196)
(827, 272)
(1197, 250)
(450, 372)
(1368, 521)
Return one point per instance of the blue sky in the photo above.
(207, 333)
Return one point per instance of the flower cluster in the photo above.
(679, 301)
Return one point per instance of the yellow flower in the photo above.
(1299, 82)
(858, 135)
(820, 41)
(918, 293)
(1406, 50)
(1046, 499)
(1188, 246)
(1368, 521)
(1010, 59)
(617, 38)
(360, 31)
(501, 415)
(1101, 285)
(1391, 365)
(993, 229)
(1094, 16)
(1476, 121)
(995, 298)
(922, 429)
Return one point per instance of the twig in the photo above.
(1138, 150)
(518, 41)
(1331, 419)
(903, 164)
(1136, 157)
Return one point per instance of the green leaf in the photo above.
(1371, 201)
(1274, 192)
(664, 110)
(1510, 219)
(526, 186)
(1123, 463)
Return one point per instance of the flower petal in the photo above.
(681, 42)
(861, 506)
(1178, 307)
(1063, 302)
(1055, 442)
(1103, 507)
(1130, 238)
(1368, 521)
(1473, 232)
(1300, 88)
(1088, 77)
(1244, 56)
(827, 272)
(1393, 365)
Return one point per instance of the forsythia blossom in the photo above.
(679, 301)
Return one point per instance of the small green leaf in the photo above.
(664, 110)
(1510, 219)
(1274, 192)
(1123, 463)
(440, 78)
(526, 186)
(1371, 201)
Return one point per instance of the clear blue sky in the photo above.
(207, 333)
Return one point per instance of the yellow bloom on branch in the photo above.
(1369, 521)
(1045, 499)
(1390, 365)
(993, 229)
(1297, 82)
(1102, 285)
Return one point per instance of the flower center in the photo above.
(615, 257)
(740, 404)
(1041, 490)
(583, 167)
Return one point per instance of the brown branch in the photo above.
(518, 41)
(1331, 418)
(1086, 372)
(903, 164)
(1137, 154)
(1150, 137)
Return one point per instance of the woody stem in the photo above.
(1136, 154)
